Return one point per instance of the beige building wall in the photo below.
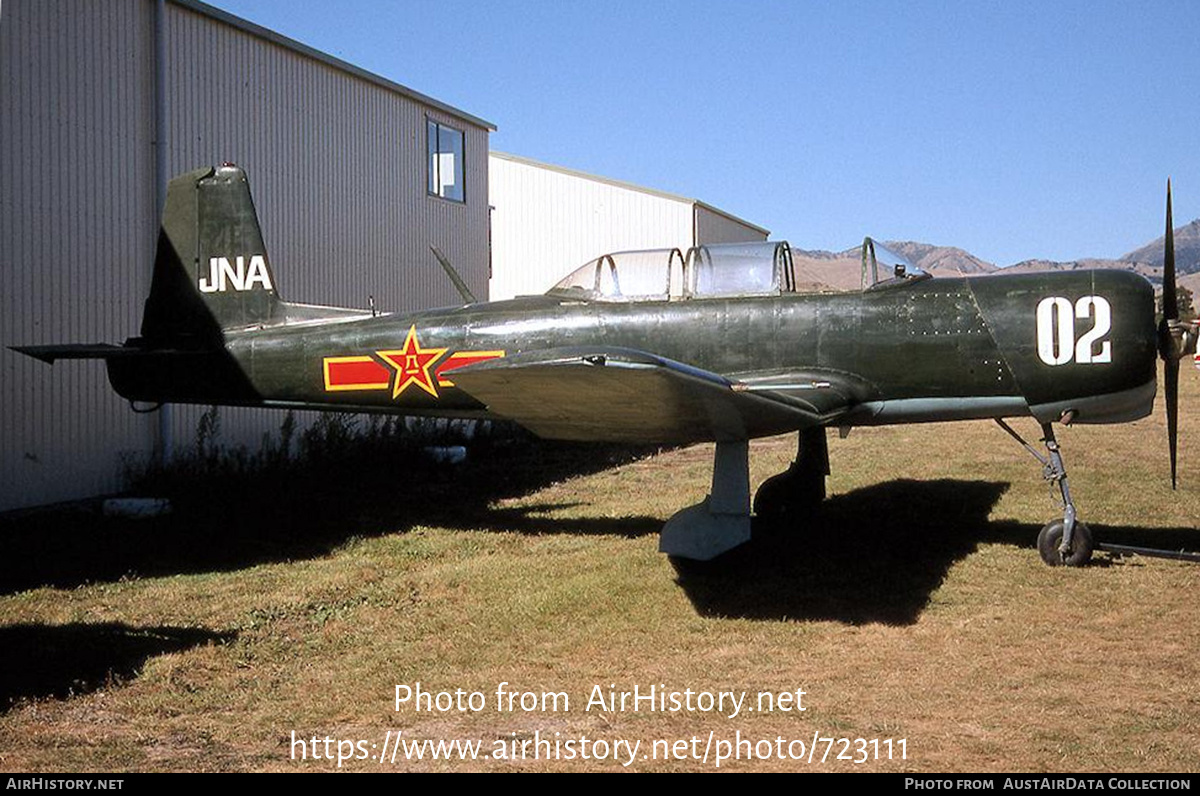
(548, 220)
(337, 165)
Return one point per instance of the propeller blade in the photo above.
(1167, 345)
(1171, 379)
(1170, 303)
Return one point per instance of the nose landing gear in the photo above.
(1066, 541)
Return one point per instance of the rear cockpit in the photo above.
(708, 271)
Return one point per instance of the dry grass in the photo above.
(913, 607)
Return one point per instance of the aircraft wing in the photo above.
(625, 395)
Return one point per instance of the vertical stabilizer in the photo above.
(211, 270)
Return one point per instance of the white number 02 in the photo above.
(1056, 330)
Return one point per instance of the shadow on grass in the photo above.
(873, 555)
(225, 521)
(876, 554)
(524, 520)
(41, 661)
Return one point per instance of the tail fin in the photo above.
(211, 271)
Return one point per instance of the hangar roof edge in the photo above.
(627, 185)
(283, 41)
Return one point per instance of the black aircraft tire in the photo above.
(784, 497)
(1050, 538)
(769, 500)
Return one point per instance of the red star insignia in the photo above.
(412, 364)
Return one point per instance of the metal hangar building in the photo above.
(354, 177)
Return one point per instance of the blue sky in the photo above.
(1013, 130)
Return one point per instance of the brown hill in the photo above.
(1187, 249)
(946, 260)
(1191, 282)
(822, 270)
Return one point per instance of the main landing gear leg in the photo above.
(1060, 542)
(801, 487)
(721, 521)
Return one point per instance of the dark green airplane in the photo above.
(656, 346)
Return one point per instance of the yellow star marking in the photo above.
(412, 364)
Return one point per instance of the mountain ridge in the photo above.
(825, 270)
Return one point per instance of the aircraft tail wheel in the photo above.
(1050, 538)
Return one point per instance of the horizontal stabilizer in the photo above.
(51, 353)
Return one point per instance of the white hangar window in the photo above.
(446, 175)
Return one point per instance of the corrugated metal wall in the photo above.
(546, 222)
(77, 230)
(336, 164)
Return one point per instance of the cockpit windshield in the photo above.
(710, 270)
(883, 267)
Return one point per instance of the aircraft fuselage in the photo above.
(936, 349)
